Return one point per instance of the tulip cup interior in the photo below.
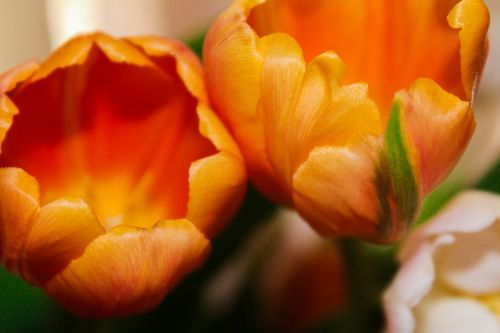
(387, 44)
(122, 137)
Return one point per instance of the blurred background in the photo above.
(246, 270)
(32, 28)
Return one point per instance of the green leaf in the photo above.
(491, 181)
(437, 199)
(23, 308)
(196, 44)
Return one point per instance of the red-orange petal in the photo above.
(128, 270)
(8, 81)
(19, 203)
(213, 195)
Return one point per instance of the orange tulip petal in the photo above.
(7, 112)
(232, 66)
(128, 270)
(340, 200)
(233, 63)
(77, 50)
(19, 203)
(187, 64)
(304, 107)
(212, 128)
(60, 233)
(328, 113)
(438, 125)
(214, 196)
(385, 43)
(10, 78)
(472, 18)
(281, 79)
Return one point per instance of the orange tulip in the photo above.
(355, 159)
(114, 171)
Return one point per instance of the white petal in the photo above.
(472, 263)
(464, 239)
(440, 314)
(468, 212)
(411, 284)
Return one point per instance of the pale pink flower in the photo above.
(449, 280)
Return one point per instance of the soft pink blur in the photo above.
(449, 279)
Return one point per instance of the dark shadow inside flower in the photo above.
(120, 136)
(387, 44)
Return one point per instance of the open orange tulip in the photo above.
(355, 159)
(114, 171)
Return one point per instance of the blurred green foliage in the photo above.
(196, 44)
(491, 182)
(23, 308)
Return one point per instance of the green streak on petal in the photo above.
(383, 186)
(396, 177)
(403, 178)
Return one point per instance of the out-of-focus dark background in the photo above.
(202, 303)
